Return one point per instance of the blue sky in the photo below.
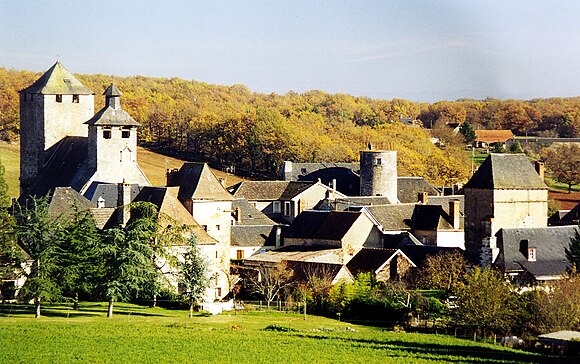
(418, 50)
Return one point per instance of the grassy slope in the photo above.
(153, 165)
(10, 157)
(158, 335)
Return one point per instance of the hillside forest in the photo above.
(254, 132)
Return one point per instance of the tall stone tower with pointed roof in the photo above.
(112, 144)
(54, 106)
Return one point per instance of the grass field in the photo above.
(136, 334)
(10, 157)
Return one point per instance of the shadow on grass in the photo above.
(466, 353)
(84, 310)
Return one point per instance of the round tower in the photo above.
(378, 173)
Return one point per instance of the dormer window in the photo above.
(58, 98)
(75, 99)
(531, 254)
(106, 133)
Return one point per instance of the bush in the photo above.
(279, 328)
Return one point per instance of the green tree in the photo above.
(192, 274)
(559, 308)
(77, 256)
(4, 197)
(128, 256)
(486, 302)
(37, 233)
(516, 147)
(468, 132)
(563, 161)
(10, 254)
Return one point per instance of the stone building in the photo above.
(505, 192)
(52, 108)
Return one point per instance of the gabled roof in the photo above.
(197, 182)
(57, 81)
(369, 260)
(493, 136)
(549, 242)
(270, 190)
(572, 217)
(112, 90)
(312, 171)
(323, 225)
(393, 217)
(172, 211)
(109, 116)
(418, 253)
(249, 215)
(64, 201)
(312, 254)
(409, 187)
(506, 171)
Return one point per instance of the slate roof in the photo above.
(392, 241)
(110, 193)
(197, 182)
(66, 163)
(324, 225)
(270, 190)
(572, 217)
(64, 201)
(252, 235)
(549, 242)
(103, 217)
(369, 260)
(326, 171)
(110, 116)
(493, 136)
(249, 214)
(430, 217)
(393, 217)
(408, 188)
(297, 254)
(57, 80)
(506, 171)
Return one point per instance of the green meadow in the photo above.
(10, 158)
(154, 335)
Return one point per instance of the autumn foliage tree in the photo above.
(563, 161)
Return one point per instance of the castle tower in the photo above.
(505, 192)
(112, 144)
(378, 173)
(53, 107)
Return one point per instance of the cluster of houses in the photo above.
(344, 217)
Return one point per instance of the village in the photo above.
(322, 218)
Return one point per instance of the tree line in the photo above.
(233, 126)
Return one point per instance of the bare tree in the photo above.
(319, 279)
(268, 281)
(442, 271)
(559, 308)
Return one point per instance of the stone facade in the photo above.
(378, 174)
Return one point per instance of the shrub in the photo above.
(279, 328)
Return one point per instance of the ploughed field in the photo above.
(154, 335)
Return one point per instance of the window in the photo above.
(218, 292)
(204, 228)
(239, 254)
(276, 208)
(531, 254)
(287, 208)
(378, 161)
(107, 133)
(125, 133)
(217, 227)
(58, 98)
(75, 99)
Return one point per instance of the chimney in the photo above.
(540, 169)
(123, 201)
(454, 213)
(170, 176)
(423, 197)
(238, 215)
(278, 236)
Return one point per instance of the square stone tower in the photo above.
(53, 107)
(505, 192)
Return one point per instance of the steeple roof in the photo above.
(58, 81)
(112, 115)
(506, 171)
(112, 90)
